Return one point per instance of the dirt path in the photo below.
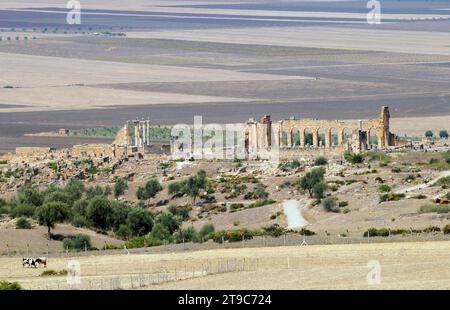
(423, 185)
(293, 214)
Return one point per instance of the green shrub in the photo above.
(260, 203)
(22, 223)
(9, 286)
(274, 230)
(140, 221)
(320, 161)
(373, 232)
(52, 273)
(150, 189)
(445, 181)
(391, 197)
(120, 185)
(236, 207)
(430, 229)
(187, 235)
(160, 232)
(434, 161)
(384, 188)
(143, 241)
(206, 230)
(175, 187)
(343, 204)
(124, 232)
(329, 205)
(306, 232)
(353, 158)
(419, 196)
(434, 208)
(446, 229)
(181, 211)
(77, 243)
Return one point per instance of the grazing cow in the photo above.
(42, 261)
(31, 262)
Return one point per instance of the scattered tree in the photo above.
(312, 178)
(51, 213)
(120, 186)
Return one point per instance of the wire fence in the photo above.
(259, 241)
(188, 269)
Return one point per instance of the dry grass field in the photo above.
(411, 265)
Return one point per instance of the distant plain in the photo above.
(225, 60)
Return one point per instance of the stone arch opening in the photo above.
(372, 137)
(334, 137)
(308, 134)
(346, 136)
(285, 138)
(295, 136)
(322, 140)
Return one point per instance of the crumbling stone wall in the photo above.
(351, 136)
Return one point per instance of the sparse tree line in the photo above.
(92, 207)
(443, 134)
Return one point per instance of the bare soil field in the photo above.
(35, 241)
(403, 266)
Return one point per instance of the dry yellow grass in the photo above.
(403, 265)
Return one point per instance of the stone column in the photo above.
(315, 137)
(289, 138)
(341, 137)
(328, 137)
(136, 133)
(302, 137)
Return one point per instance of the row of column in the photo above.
(138, 133)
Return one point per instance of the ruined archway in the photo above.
(308, 136)
(372, 137)
(322, 140)
(334, 137)
(295, 137)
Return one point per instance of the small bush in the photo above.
(434, 208)
(391, 197)
(306, 232)
(384, 188)
(446, 229)
(150, 189)
(22, 223)
(206, 230)
(274, 230)
(419, 196)
(50, 273)
(9, 286)
(329, 205)
(77, 243)
(343, 204)
(443, 182)
(373, 232)
(353, 158)
(260, 203)
(320, 161)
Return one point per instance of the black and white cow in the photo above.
(29, 261)
(34, 262)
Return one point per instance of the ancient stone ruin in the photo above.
(320, 136)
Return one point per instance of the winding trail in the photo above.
(293, 214)
(423, 185)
